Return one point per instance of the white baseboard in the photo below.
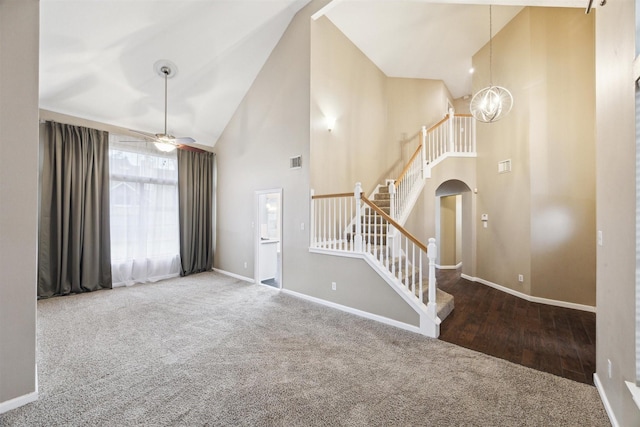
(235, 276)
(355, 311)
(449, 267)
(530, 298)
(18, 401)
(605, 401)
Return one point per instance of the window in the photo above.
(145, 244)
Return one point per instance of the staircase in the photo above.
(374, 234)
(352, 224)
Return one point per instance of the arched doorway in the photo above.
(454, 231)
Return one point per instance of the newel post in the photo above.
(432, 253)
(357, 195)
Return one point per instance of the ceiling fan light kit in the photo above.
(493, 102)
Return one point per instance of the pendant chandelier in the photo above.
(493, 102)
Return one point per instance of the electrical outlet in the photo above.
(245, 264)
(302, 226)
(520, 278)
(599, 237)
(609, 368)
(333, 286)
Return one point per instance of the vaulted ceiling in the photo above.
(97, 56)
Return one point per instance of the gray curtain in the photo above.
(196, 174)
(74, 252)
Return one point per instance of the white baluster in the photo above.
(335, 223)
(340, 225)
(357, 194)
(324, 223)
(392, 201)
(352, 231)
(413, 268)
(452, 146)
(406, 261)
(313, 221)
(423, 153)
(420, 275)
(432, 252)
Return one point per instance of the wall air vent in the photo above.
(295, 162)
(504, 166)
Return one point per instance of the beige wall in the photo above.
(272, 124)
(18, 195)
(542, 214)
(378, 119)
(503, 248)
(562, 155)
(616, 204)
(347, 86)
(414, 103)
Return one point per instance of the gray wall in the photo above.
(18, 195)
(615, 207)
(271, 125)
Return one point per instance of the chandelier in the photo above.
(493, 102)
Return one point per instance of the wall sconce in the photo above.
(331, 122)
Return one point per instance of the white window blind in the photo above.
(145, 243)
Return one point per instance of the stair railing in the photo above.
(454, 134)
(405, 185)
(376, 236)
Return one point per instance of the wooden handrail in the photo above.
(446, 117)
(462, 115)
(407, 166)
(392, 222)
(331, 196)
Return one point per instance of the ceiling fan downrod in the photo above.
(166, 71)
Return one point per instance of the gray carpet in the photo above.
(210, 350)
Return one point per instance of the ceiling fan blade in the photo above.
(184, 140)
(146, 135)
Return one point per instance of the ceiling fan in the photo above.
(164, 141)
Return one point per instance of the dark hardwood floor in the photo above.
(552, 339)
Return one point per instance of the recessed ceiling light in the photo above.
(471, 70)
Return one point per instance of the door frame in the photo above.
(256, 237)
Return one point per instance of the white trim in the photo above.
(325, 9)
(449, 267)
(635, 392)
(257, 236)
(18, 401)
(355, 311)
(269, 286)
(333, 252)
(235, 276)
(605, 401)
(530, 298)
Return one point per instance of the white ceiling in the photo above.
(97, 56)
(421, 40)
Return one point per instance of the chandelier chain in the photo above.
(490, 49)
